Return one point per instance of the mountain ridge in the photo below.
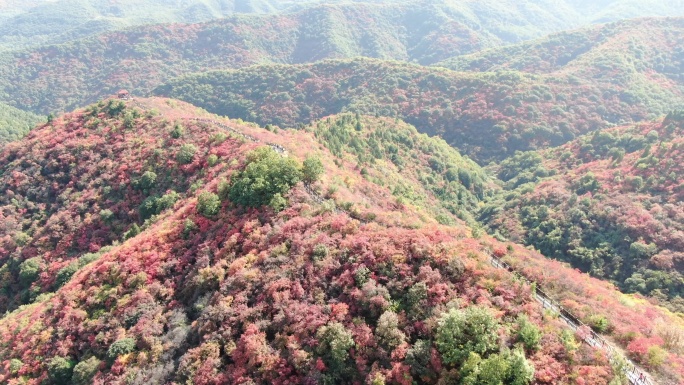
(220, 278)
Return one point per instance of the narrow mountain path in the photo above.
(635, 375)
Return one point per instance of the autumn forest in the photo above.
(364, 192)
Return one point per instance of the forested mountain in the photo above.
(609, 203)
(488, 116)
(153, 267)
(61, 77)
(30, 23)
(15, 123)
(626, 51)
(361, 192)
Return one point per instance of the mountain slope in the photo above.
(62, 77)
(15, 123)
(28, 24)
(608, 203)
(212, 292)
(487, 116)
(639, 47)
(34, 23)
(418, 169)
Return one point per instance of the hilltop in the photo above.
(608, 203)
(134, 255)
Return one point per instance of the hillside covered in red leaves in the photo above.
(141, 243)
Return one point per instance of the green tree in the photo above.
(120, 347)
(510, 368)
(186, 154)
(106, 215)
(418, 359)
(312, 169)
(84, 371)
(334, 342)
(587, 183)
(15, 365)
(528, 333)
(388, 332)
(147, 180)
(493, 370)
(208, 204)
(266, 178)
(520, 370)
(60, 370)
(212, 160)
(64, 274)
(30, 269)
(177, 131)
(132, 232)
(462, 331)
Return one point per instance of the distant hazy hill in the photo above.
(34, 22)
(31, 23)
(617, 52)
(61, 77)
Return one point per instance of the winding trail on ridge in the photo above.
(635, 375)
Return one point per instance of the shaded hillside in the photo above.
(318, 291)
(15, 123)
(29, 24)
(608, 203)
(210, 291)
(487, 116)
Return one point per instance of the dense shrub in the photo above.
(60, 370)
(208, 204)
(464, 331)
(85, 370)
(265, 180)
(120, 347)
